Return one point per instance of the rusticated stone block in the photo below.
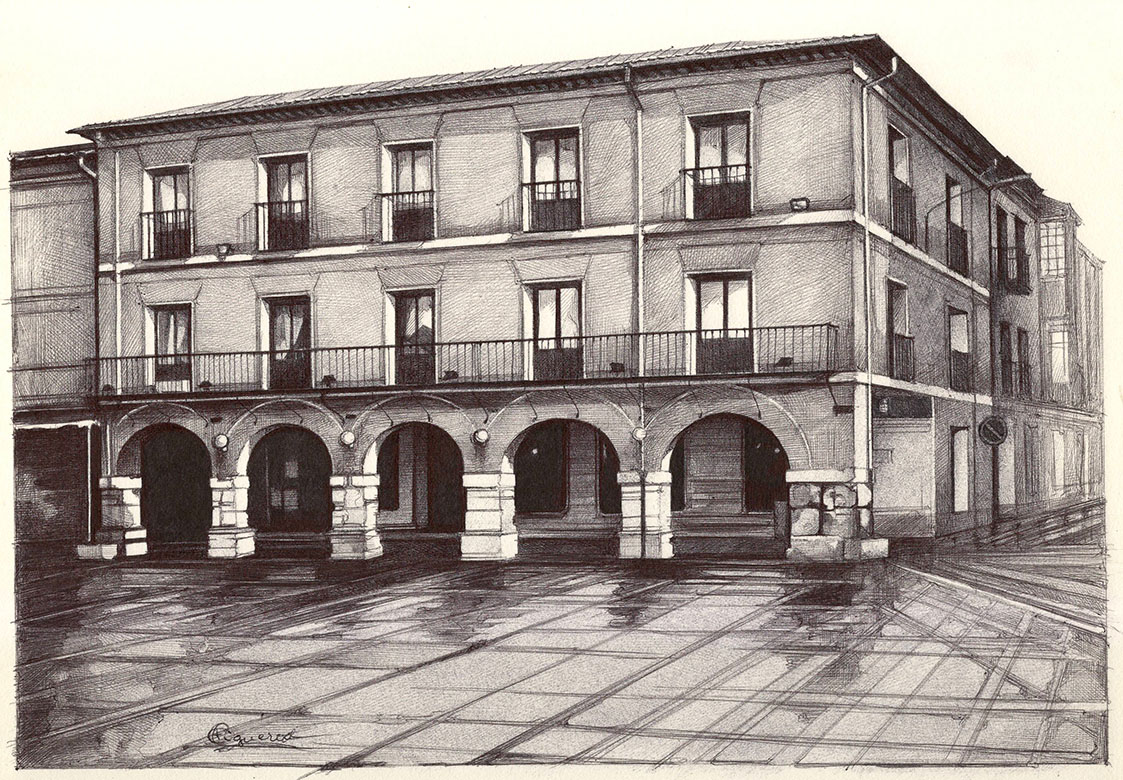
(864, 494)
(815, 548)
(805, 522)
(801, 495)
(839, 496)
(840, 522)
(865, 522)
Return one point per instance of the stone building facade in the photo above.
(732, 300)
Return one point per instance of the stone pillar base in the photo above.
(230, 542)
(126, 542)
(489, 547)
(98, 552)
(355, 544)
(658, 545)
(489, 518)
(645, 515)
(831, 523)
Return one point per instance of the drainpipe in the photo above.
(867, 302)
(117, 269)
(630, 85)
(91, 484)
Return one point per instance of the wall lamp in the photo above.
(221, 442)
(639, 433)
(347, 438)
(481, 436)
(800, 204)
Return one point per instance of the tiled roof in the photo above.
(475, 78)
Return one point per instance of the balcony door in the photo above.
(168, 227)
(720, 185)
(411, 202)
(173, 347)
(558, 353)
(725, 337)
(290, 343)
(554, 189)
(286, 210)
(414, 338)
(901, 361)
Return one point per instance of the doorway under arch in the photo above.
(421, 481)
(289, 503)
(175, 492)
(728, 488)
(567, 497)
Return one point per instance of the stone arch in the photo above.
(510, 425)
(671, 420)
(263, 419)
(128, 459)
(377, 421)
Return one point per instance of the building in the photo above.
(741, 299)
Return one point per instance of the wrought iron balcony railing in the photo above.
(957, 250)
(902, 204)
(902, 362)
(718, 192)
(553, 205)
(962, 373)
(776, 350)
(166, 235)
(281, 225)
(408, 215)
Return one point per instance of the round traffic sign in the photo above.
(992, 430)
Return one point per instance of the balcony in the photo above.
(718, 192)
(902, 204)
(282, 225)
(408, 215)
(761, 351)
(166, 235)
(902, 363)
(552, 205)
(957, 250)
(961, 371)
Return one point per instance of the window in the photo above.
(959, 351)
(556, 323)
(553, 194)
(415, 350)
(902, 203)
(290, 342)
(408, 206)
(172, 325)
(388, 460)
(957, 236)
(1025, 386)
(718, 184)
(1052, 248)
(283, 216)
(541, 469)
(724, 323)
(608, 486)
(1006, 358)
(1030, 447)
(1058, 462)
(167, 227)
(960, 469)
(1021, 258)
(1058, 352)
(900, 346)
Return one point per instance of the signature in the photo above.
(225, 738)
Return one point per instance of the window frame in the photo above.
(725, 278)
(535, 310)
(964, 432)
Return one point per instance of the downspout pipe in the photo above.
(630, 86)
(867, 302)
(91, 483)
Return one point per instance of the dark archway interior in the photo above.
(725, 455)
(290, 489)
(175, 497)
(420, 468)
(542, 469)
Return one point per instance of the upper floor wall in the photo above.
(481, 162)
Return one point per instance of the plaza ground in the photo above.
(411, 659)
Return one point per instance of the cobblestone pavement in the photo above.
(330, 664)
